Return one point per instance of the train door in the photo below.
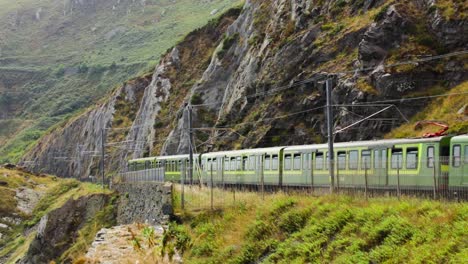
(307, 168)
(380, 166)
(259, 169)
(458, 164)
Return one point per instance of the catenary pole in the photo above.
(190, 132)
(103, 154)
(329, 108)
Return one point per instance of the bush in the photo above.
(196, 99)
(227, 44)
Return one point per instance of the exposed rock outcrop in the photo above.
(255, 76)
(58, 229)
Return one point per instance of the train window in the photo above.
(274, 162)
(466, 154)
(397, 158)
(232, 164)
(297, 162)
(377, 159)
(430, 157)
(252, 163)
(239, 163)
(226, 164)
(353, 159)
(342, 159)
(327, 159)
(245, 163)
(384, 159)
(179, 165)
(412, 158)
(215, 164)
(305, 161)
(456, 156)
(309, 164)
(366, 159)
(287, 162)
(319, 161)
(267, 162)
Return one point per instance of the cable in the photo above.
(266, 119)
(401, 100)
(429, 58)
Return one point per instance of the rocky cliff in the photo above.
(256, 75)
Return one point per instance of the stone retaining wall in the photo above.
(144, 202)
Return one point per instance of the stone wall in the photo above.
(149, 202)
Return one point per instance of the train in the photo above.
(417, 163)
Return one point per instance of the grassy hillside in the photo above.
(54, 193)
(58, 57)
(327, 229)
(451, 109)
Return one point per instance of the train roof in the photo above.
(460, 138)
(142, 159)
(368, 143)
(243, 152)
(173, 157)
(176, 157)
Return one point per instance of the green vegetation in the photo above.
(105, 218)
(453, 9)
(228, 41)
(451, 109)
(56, 192)
(328, 229)
(65, 61)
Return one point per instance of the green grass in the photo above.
(56, 192)
(326, 229)
(444, 109)
(105, 218)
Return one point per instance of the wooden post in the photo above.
(398, 178)
(262, 177)
(234, 194)
(434, 174)
(182, 181)
(211, 183)
(337, 176)
(311, 166)
(365, 179)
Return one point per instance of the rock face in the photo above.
(74, 149)
(27, 199)
(57, 230)
(256, 75)
(144, 203)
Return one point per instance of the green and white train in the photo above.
(381, 164)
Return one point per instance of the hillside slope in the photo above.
(58, 57)
(329, 229)
(260, 80)
(44, 218)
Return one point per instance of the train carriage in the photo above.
(458, 167)
(417, 163)
(382, 161)
(249, 166)
(141, 164)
